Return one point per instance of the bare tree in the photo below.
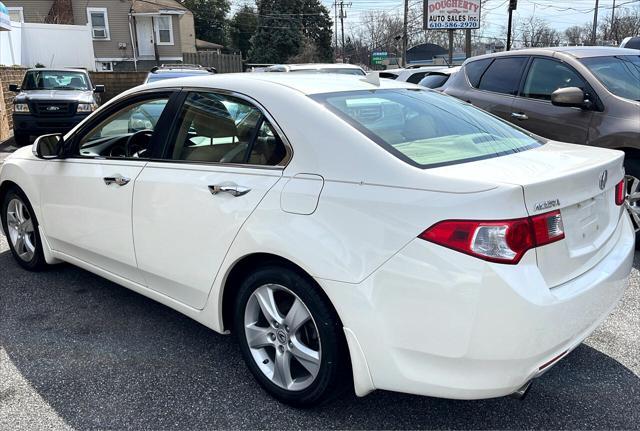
(536, 32)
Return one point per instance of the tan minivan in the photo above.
(582, 95)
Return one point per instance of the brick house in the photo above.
(127, 34)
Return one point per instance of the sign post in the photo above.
(452, 15)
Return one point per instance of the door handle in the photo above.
(233, 190)
(519, 116)
(117, 179)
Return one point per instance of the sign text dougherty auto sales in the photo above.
(451, 14)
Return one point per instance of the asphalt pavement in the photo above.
(79, 352)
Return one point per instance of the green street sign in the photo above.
(379, 57)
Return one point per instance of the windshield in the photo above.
(427, 129)
(55, 80)
(341, 71)
(620, 74)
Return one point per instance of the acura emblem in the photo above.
(603, 179)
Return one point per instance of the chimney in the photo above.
(61, 13)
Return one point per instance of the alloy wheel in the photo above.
(282, 337)
(21, 229)
(633, 199)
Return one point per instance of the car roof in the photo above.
(574, 51)
(55, 69)
(178, 71)
(300, 66)
(303, 83)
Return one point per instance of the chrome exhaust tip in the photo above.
(521, 393)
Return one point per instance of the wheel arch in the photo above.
(242, 267)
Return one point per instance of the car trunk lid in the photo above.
(579, 181)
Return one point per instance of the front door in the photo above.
(218, 165)
(145, 37)
(87, 197)
(534, 111)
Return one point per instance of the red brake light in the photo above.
(503, 241)
(620, 193)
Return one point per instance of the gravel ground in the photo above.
(79, 352)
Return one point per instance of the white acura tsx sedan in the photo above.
(349, 231)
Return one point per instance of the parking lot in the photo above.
(79, 352)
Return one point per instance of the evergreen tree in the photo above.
(242, 27)
(210, 19)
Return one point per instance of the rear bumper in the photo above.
(27, 124)
(434, 322)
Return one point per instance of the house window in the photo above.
(16, 14)
(164, 30)
(99, 22)
(106, 66)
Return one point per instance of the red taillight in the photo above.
(503, 241)
(620, 193)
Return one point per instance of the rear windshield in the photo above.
(435, 80)
(55, 80)
(427, 129)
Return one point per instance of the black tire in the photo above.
(632, 167)
(334, 373)
(37, 261)
(21, 139)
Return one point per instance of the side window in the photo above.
(114, 137)
(503, 76)
(546, 76)
(217, 128)
(475, 69)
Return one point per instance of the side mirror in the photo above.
(48, 146)
(572, 97)
(98, 89)
(14, 88)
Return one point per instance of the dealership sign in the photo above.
(451, 14)
(378, 57)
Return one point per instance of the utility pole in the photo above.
(405, 33)
(343, 15)
(335, 27)
(595, 24)
(614, 33)
(513, 5)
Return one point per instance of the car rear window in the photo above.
(475, 69)
(427, 129)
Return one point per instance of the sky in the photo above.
(560, 14)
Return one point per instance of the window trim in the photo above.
(19, 9)
(156, 30)
(72, 145)
(107, 30)
(179, 102)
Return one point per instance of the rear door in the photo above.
(498, 85)
(534, 111)
(221, 158)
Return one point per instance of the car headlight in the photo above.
(20, 107)
(87, 107)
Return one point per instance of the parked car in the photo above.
(437, 80)
(171, 71)
(631, 42)
(51, 100)
(582, 95)
(339, 68)
(344, 229)
(413, 74)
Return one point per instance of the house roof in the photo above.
(203, 44)
(157, 6)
